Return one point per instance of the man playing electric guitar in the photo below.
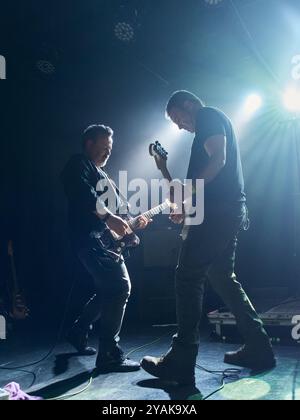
(111, 280)
(209, 249)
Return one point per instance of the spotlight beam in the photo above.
(291, 98)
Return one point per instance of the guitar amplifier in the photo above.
(157, 304)
(161, 248)
(157, 289)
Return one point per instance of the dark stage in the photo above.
(147, 97)
(64, 373)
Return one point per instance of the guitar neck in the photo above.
(166, 174)
(150, 214)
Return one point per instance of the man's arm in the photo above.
(215, 147)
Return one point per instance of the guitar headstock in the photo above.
(159, 153)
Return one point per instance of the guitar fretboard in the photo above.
(151, 213)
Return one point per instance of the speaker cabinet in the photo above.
(161, 248)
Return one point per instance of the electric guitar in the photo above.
(18, 310)
(115, 245)
(160, 156)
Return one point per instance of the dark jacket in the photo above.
(80, 178)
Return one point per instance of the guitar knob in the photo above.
(122, 244)
(119, 249)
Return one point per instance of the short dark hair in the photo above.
(96, 131)
(178, 99)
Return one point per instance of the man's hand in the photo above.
(177, 218)
(118, 225)
(142, 222)
(176, 192)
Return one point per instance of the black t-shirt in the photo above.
(228, 186)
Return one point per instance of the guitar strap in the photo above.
(123, 203)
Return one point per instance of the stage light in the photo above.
(291, 98)
(124, 32)
(47, 59)
(252, 104)
(296, 67)
(246, 111)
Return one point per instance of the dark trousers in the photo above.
(112, 286)
(208, 253)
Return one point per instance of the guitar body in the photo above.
(115, 245)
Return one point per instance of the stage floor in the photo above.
(66, 373)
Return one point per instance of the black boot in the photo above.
(178, 365)
(79, 339)
(257, 358)
(114, 360)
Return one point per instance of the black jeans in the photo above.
(112, 286)
(208, 253)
